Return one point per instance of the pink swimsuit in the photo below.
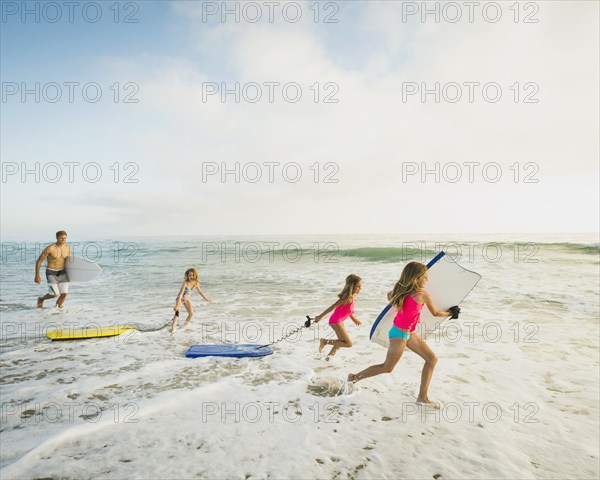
(341, 313)
(409, 316)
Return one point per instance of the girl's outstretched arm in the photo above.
(202, 294)
(318, 318)
(356, 320)
(434, 311)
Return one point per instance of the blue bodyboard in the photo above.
(228, 350)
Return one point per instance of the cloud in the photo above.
(370, 135)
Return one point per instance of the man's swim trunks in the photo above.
(58, 281)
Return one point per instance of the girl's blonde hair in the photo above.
(351, 287)
(194, 275)
(407, 284)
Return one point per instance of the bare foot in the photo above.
(352, 378)
(331, 354)
(429, 403)
(40, 302)
(322, 343)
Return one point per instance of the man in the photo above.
(56, 275)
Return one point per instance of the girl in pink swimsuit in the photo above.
(408, 297)
(342, 309)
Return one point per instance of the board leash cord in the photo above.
(296, 330)
(143, 329)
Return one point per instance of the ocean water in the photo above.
(517, 377)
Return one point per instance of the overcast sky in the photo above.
(331, 117)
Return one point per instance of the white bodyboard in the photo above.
(81, 270)
(448, 285)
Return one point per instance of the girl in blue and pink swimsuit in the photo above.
(408, 297)
(190, 283)
(342, 309)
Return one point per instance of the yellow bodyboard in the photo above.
(89, 332)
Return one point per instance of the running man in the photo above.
(56, 275)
